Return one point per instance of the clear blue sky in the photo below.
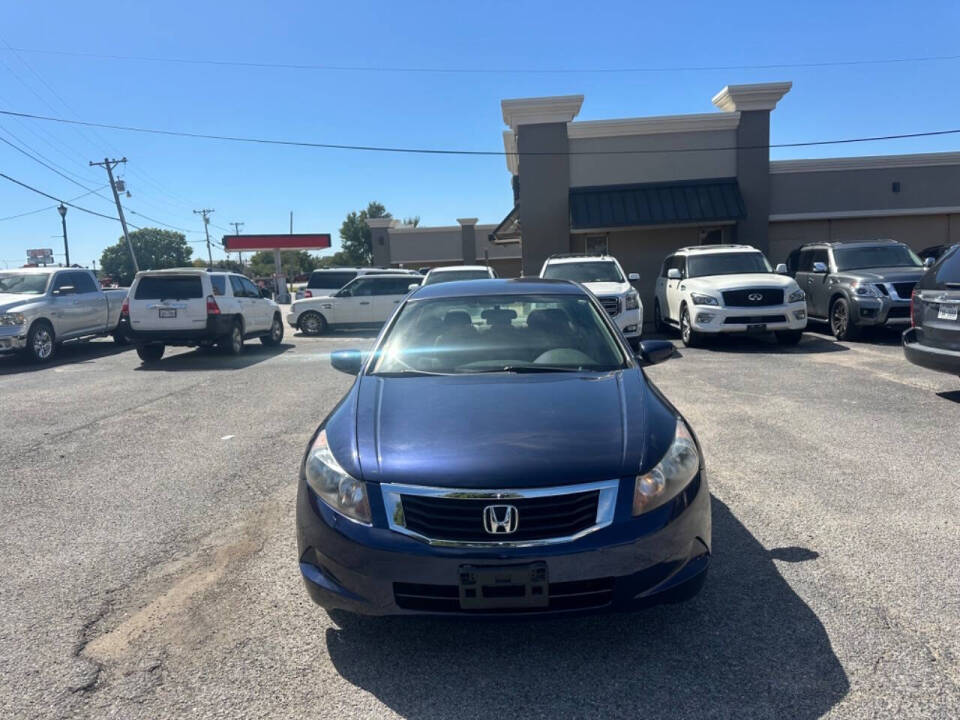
(259, 185)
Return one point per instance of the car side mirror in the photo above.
(673, 274)
(652, 352)
(781, 268)
(633, 277)
(347, 361)
(65, 290)
(413, 286)
(927, 262)
(819, 267)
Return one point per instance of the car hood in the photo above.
(739, 281)
(11, 303)
(607, 288)
(910, 273)
(507, 430)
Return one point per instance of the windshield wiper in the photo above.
(526, 369)
(407, 373)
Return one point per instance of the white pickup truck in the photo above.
(43, 307)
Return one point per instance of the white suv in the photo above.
(603, 276)
(191, 306)
(712, 289)
(367, 301)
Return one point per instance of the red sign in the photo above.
(308, 241)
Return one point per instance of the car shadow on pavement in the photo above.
(371, 333)
(212, 359)
(67, 354)
(951, 395)
(747, 646)
(767, 343)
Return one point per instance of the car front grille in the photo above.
(904, 289)
(576, 595)
(760, 297)
(538, 518)
(754, 319)
(611, 305)
(899, 311)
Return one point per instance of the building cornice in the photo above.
(536, 111)
(412, 230)
(849, 214)
(758, 96)
(653, 125)
(381, 222)
(867, 162)
(510, 148)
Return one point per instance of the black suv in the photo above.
(933, 341)
(856, 284)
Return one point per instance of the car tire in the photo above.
(41, 342)
(841, 324)
(232, 343)
(276, 333)
(120, 338)
(658, 324)
(151, 353)
(312, 323)
(788, 337)
(689, 336)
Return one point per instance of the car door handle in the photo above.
(364, 302)
(396, 302)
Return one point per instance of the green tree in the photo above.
(228, 265)
(295, 262)
(414, 221)
(355, 234)
(155, 249)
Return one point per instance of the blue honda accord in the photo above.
(502, 452)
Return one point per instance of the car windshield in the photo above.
(584, 272)
(451, 275)
(732, 263)
(498, 333)
(871, 256)
(24, 283)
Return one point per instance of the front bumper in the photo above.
(932, 358)
(13, 338)
(658, 557)
(630, 322)
(293, 319)
(880, 311)
(714, 319)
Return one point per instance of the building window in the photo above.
(595, 245)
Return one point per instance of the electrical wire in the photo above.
(68, 203)
(490, 71)
(495, 153)
(49, 207)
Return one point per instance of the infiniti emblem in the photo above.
(500, 519)
(755, 297)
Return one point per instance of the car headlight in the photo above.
(699, 299)
(866, 290)
(677, 468)
(13, 319)
(342, 492)
(632, 301)
(796, 296)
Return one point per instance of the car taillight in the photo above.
(307, 293)
(125, 308)
(212, 307)
(914, 308)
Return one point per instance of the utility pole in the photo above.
(110, 165)
(206, 228)
(63, 219)
(236, 231)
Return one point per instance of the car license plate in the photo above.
(948, 312)
(168, 313)
(509, 586)
(757, 328)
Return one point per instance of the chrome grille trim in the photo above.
(611, 304)
(393, 504)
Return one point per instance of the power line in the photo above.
(48, 207)
(65, 202)
(491, 71)
(495, 153)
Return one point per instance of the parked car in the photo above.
(41, 308)
(931, 254)
(856, 285)
(365, 302)
(458, 272)
(933, 340)
(193, 307)
(603, 276)
(470, 469)
(325, 282)
(712, 289)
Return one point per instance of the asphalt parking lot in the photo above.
(147, 529)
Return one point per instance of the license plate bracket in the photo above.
(948, 312)
(757, 327)
(168, 312)
(503, 587)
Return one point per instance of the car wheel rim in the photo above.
(839, 319)
(236, 339)
(42, 344)
(685, 327)
(311, 324)
(276, 330)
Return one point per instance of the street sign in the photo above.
(40, 256)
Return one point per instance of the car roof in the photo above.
(714, 249)
(855, 243)
(367, 270)
(563, 259)
(498, 286)
(37, 270)
(451, 268)
(378, 276)
(177, 271)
